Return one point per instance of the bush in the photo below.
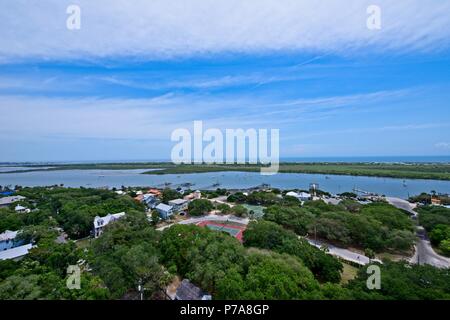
(200, 207)
(239, 211)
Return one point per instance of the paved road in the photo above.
(424, 253)
(343, 253)
(403, 204)
(211, 217)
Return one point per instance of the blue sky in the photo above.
(116, 88)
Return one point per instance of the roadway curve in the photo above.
(424, 253)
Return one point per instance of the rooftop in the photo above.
(177, 201)
(8, 235)
(11, 199)
(188, 291)
(15, 252)
(164, 207)
(103, 221)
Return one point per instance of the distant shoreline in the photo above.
(427, 171)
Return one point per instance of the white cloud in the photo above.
(443, 145)
(405, 127)
(155, 118)
(172, 28)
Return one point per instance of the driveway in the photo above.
(344, 254)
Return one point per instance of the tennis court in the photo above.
(234, 230)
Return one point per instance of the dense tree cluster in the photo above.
(200, 207)
(376, 226)
(402, 281)
(169, 194)
(73, 209)
(222, 266)
(42, 274)
(127, 254)
(269, 235)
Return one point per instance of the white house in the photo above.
(7, 240)
(21, 209)
(164, 210)
(179, 204)
(101, 222)
(302, 196)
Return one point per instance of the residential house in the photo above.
(150, 200)
(194, 195)
(179, 205)
(101, 222)
(301, 196)
(188, 291)
(304, 196)
(21, 209)
(435, 201)
(165, 211)
(8, 240)
(155, 192)
(6, 201)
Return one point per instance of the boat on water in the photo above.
(187, 184)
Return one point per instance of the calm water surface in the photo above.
(229, 180)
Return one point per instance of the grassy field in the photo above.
(394, 170)
(348, 273)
